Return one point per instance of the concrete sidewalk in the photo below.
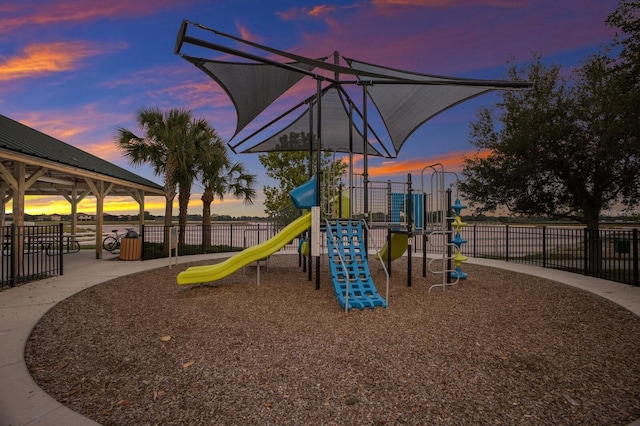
(22, 402)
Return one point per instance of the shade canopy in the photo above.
(252, 87)
(404, 100)
(405, 106)
(336, 135)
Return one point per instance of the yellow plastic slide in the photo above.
(208, 273)
(399, 243)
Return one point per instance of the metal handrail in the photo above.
(342, 262)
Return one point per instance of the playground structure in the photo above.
(428, 211)
(394, 206)
(332, 122)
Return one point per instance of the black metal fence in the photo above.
(607, 254)
(200, 239)
(31, 253)
(35, 252)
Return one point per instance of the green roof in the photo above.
(22, 139)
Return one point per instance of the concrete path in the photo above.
(22, 402)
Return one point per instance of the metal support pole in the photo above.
(635, 257)
(425, 240)
(311, 139)
(449, 230)
(365, 163)
(318, 171)
(409, 227)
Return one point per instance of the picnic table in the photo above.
(49, 243)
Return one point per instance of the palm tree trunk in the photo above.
(183, 201)
(207, 199)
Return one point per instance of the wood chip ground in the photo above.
(499, 348)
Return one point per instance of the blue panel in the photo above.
(398, 205)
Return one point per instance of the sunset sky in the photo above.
(79, 69)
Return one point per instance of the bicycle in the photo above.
(111, 243)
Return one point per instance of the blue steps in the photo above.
(344, 238)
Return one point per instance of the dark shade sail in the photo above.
(404, 100)
(334, 130)
(251, 87)
(406, 106)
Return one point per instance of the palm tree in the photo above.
(160, 147)
(196, 148)
(173, 144)
(221, 177)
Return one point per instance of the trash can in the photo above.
(621, 246)
(131, 247)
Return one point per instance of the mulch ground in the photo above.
(497, 348)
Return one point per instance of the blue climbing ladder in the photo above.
(349, 267)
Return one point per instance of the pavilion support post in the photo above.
(100, 191)
(4, 199)
(138, 196)
(74, 199)
(10, 180)
(74, 210)
(19, 174)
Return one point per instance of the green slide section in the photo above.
(399, 243)
(208, 273)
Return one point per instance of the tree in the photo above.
(158, 147)
(198, 148)
(173, 142)
(558, 151)
(291, 169)
(221, 177)
(626, 18)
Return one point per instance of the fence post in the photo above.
(14, 254)
(474, 240)
(142, 252)
(586, 251)
(635, 257)
(544, 246)
(61, 251)
(231, 235)
(506, 243)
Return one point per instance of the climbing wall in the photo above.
(352, 281)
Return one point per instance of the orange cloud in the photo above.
(82, 128)
(318, 11)
(45, 58)
(452, 162)
(41, 13)
(106, 150)
(321, 10)
(245, 34)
